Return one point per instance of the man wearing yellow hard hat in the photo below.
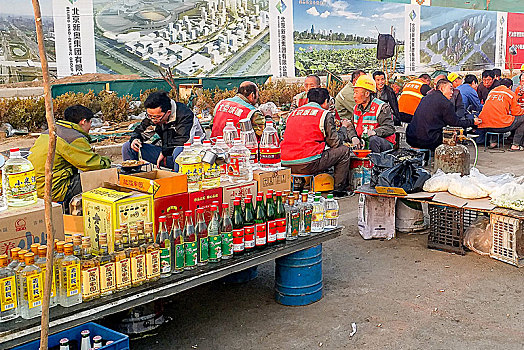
(456, 99)
(371, 116)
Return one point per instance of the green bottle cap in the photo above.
(330, 196)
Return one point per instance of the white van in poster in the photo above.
(74, 37)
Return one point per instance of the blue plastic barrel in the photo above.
(298, 277)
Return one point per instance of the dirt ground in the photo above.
(400, 294)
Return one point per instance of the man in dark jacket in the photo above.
(434, 112)
(173, 121)
(456, 99)
(386, 94)
(488, 83)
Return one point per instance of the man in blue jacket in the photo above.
(471, 100)
(434, 112)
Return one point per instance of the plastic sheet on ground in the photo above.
(478, 237)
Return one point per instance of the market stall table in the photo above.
(21, 331)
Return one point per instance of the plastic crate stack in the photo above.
(508, 243)
(447, 227)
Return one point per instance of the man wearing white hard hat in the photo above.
(373, 115)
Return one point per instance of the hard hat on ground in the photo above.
(522, 68)
(366, 82)
(453, 76)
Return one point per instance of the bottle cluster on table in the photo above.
(82, 274)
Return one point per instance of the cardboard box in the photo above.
(169, 205)
(230, 191)
(159, 183)
(23, 226)
(279, 180)
(73, 224)
(96, 178)
(104, 209)
(204, 199)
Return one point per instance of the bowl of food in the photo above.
(132, 165)
(361, 153)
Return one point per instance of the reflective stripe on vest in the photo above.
(232, 108)
(304, 139)
(370, 117)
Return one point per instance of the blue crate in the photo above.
(121, 341)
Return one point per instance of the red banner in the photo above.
(515, 40)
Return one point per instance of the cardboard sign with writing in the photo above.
(230, 191)
(279, 180)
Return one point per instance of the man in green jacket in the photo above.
(73, 153)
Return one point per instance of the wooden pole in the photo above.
(48, 175)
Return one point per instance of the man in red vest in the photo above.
(237, 108)
(309, 129)
(300, 99)
(372, 117)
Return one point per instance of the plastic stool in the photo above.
(302, 176)
(487, 139)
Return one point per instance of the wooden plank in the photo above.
(21, 331)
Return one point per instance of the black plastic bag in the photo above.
(406, 175)
(388, 159)
(385, 46)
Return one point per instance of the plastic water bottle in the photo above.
(229, 133)
(332, 212)
(19, 180)
(270, 148)
(249, 139)
(317, 219)
(239, 168)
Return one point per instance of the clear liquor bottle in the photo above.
(215, 240)
(34, 249)
(203, 238)
(58, 256)
(122, 264)
(77, 245)
(107, 267)
(332, 212)
(70, 286)
(18, 269)
(8, 294)
(164, 242)
(239, 168)
(41, 262)
(178, 260)
(226, 232)
(190, 242)
(85, 343)
(97, 342)
(14, 258)
(317, 220)
(64, 344)
(230, 133)
(138, 259)
(219, 147)
(90, 267)
(306, 213)
(31, 288)
(292, 219)
(152, 254)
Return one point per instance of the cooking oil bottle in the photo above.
(190, 163)
(19, 180)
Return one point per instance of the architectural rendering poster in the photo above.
(457, 39)
(74, 37)
(341, 36)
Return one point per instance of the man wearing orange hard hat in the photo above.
(371, 116)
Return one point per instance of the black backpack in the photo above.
(385, 46)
